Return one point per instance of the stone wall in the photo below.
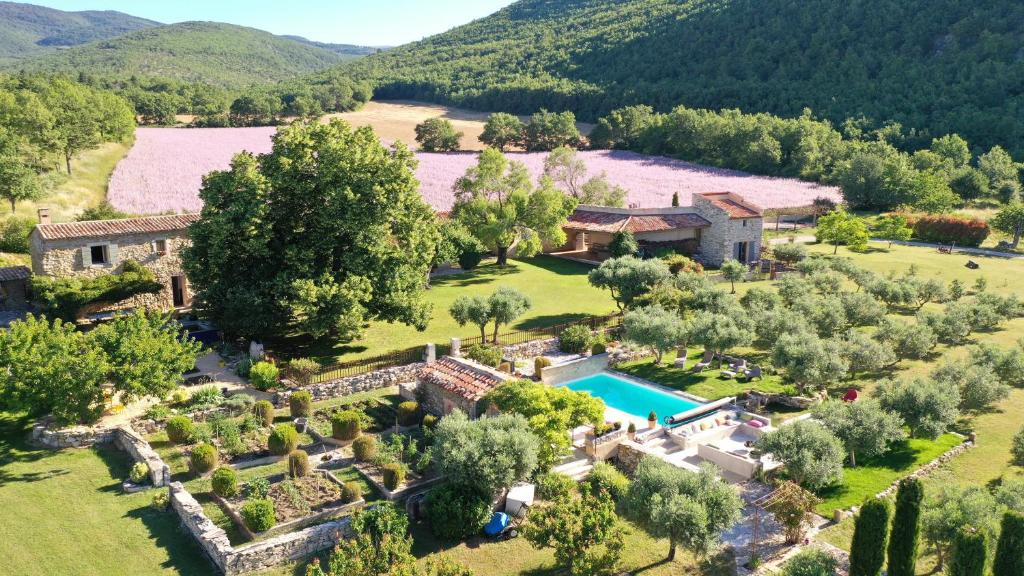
(629, 455)
(136, 446)
(530, 350)
(271, 552)
(63, 258)
(717, 240)
(574, 369)
(71, 437)
(353, 384)
(927, 469)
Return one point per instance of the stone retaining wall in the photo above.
(135, 445)
(587, 366)
(530, 350)
(927, 469)
(72, 437)
(363, 382)
(258, 556)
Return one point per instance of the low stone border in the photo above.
(927, 469)
(122, 436)
(351, 385)
(259, 555)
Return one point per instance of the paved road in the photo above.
(956, 250)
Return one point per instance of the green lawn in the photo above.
(874, 475)
(64, 513)
(558, 292)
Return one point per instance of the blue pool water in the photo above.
(630, 397)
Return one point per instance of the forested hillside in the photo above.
(343, 50)
(936, 66)
(26, 30)
(219, 54)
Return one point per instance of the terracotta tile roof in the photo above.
(14, 273)
(101, 228)
(732, 207)
(460, 378)
(609, 222)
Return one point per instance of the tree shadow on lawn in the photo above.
(15, 448)
(900, 458)
(184, 553)
(550, 320)
(483, 274)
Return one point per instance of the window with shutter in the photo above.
(98, 255)
(112, 254)
(86, 256)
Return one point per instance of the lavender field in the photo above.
(164, 169)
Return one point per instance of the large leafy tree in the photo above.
(863, 426)
(840, 227)
(84, 117)
(1010, 220)
(549, 130)
(569, 172)
(812, 454)
(497, 202)
(502, 131)
(552, 412)
(487, 454)
(892, 227)
(146, 354)
(437, 135)
(689, 508)
(506, 304)
(18, 180)
(629, 277)
(583, 530)
(51, 367)
(326, 231)
(475, 310)
(950, 508)
(809, 361)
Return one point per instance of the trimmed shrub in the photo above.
(598, 348)
(1010, 549)
(575, 339)
(264, 411)
(394, 475)
(946, 229)
(554, 486)
(304, 369)
(161, 500)
(351, 492)
(283, 439)
(606, 478)
(258, 515)
(263, 375)
(365, 448)
(678, 263)
(811, 562)
(224, 482)
(539, 364)
(179, 429)
(968, 554)
(470, 258)
(139, 473)
(790, 253)
(408, 413)
(486, 355)
(301, 404)
(429, 421)
(870, 537)
(906, 528)
(203, 458)
(346, 425)
(457, 511)
(298, 464)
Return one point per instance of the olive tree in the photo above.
(506, 304)
(655, 328)
(475, 310)
(733, 271)
(810, 361)
(927, 407)
(488, 454)
(812, 454)
(863, 427)
(628, 277)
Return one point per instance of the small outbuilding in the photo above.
(457, 384)
(14, 291)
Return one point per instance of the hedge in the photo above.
(944, 229)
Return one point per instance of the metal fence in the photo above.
(415, 354)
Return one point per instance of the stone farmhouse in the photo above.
(719, 225)
(95, 248)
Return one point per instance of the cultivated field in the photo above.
(164, 170)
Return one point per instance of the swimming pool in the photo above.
(630, 397)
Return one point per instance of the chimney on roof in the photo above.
(44, 215)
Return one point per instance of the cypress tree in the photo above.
(1010, 551)
(870, 535)
(675, 198)
(967, 558)
(906, 528)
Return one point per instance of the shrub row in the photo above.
(946, 229)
